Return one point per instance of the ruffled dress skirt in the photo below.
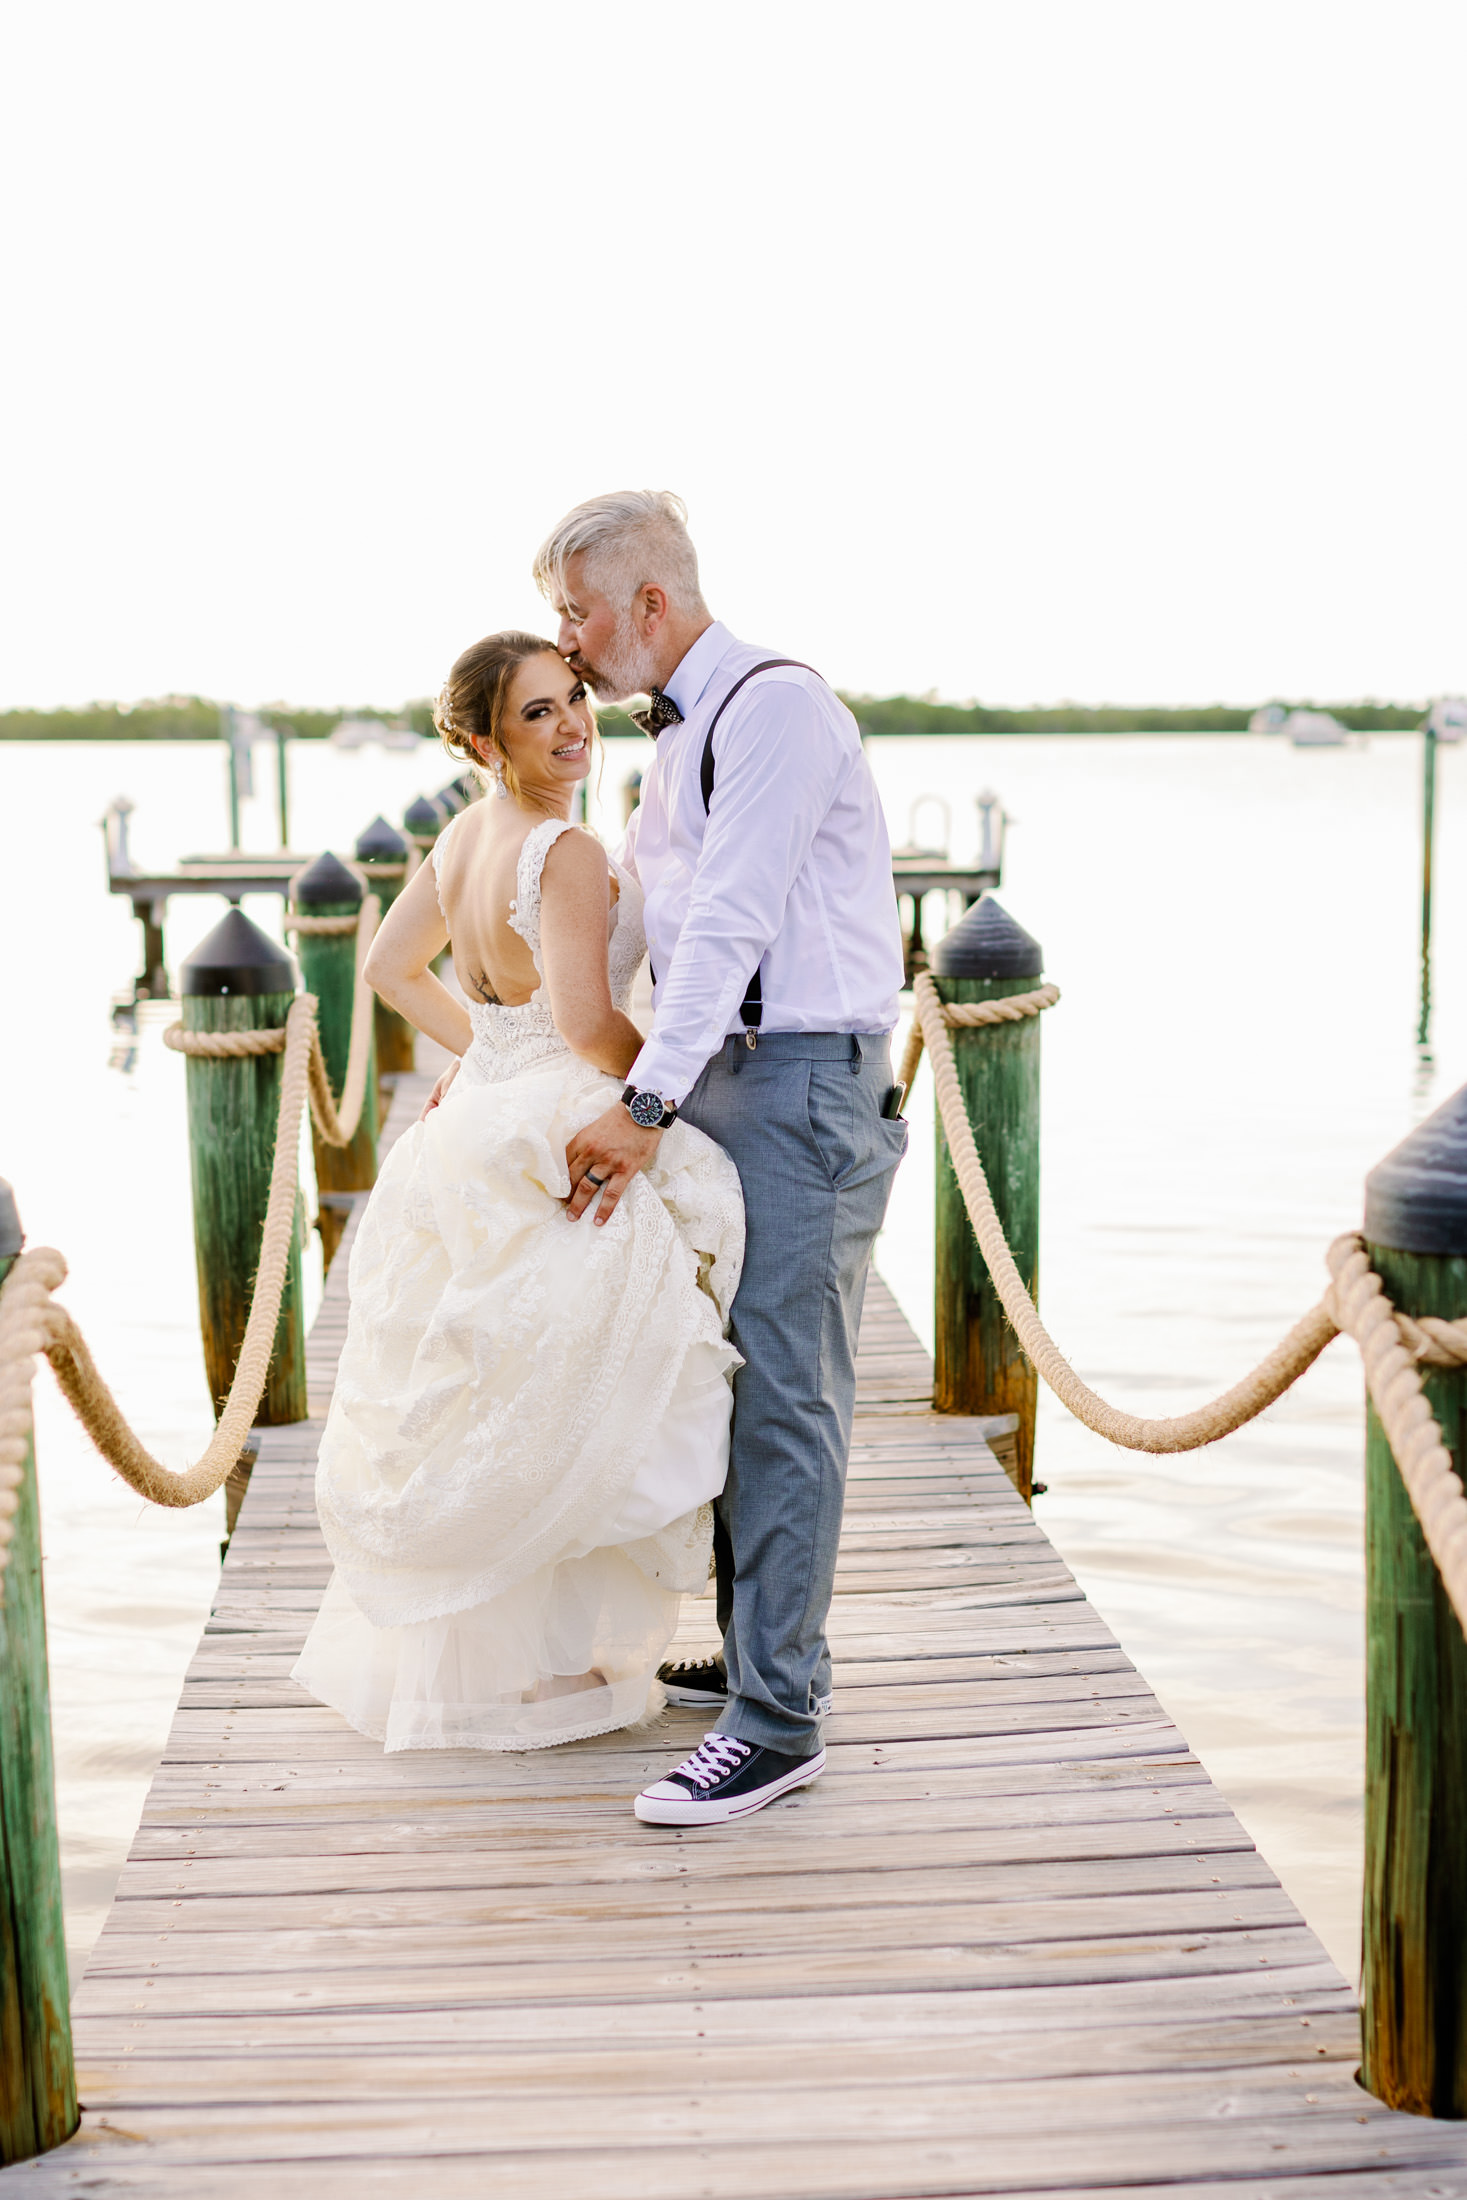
(529, 1426)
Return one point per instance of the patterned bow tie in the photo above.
(663, 713)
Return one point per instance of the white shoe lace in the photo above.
(715, 1757)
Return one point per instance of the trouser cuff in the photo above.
(763, 1729)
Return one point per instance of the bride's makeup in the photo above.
(548, 727)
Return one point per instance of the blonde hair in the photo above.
(470, 705)
(630, 538)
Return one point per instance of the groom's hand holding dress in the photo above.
(613, 1149)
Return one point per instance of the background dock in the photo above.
(1013, 1941)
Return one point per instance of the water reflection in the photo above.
(1425, 1059)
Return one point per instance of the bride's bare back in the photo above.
(477, 867)
(472, 898)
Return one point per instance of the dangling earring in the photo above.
(500, 788)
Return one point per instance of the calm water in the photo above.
(1233, 923)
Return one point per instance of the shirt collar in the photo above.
(698, 667)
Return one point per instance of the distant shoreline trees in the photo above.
(192, 718)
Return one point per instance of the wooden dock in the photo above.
(1014, 1941)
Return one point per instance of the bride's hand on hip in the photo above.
(603, 1158)
(439, 1090)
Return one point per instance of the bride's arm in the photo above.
(412, 933)
(573, 911)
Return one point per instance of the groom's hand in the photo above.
(613, 1148)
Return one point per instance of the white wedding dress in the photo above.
(531, 1415)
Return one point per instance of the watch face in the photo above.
(646, 1108)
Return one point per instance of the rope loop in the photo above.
(325, 927)
(223, 1046)
(1014, 1008)
(1392, 1346)
(31, 1321)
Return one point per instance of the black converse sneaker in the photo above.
(723, 1779)
(696, 1683)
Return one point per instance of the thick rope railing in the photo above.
(1392, 1345)
(969, 1016)
(32, 1323)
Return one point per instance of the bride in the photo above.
(531, 1416)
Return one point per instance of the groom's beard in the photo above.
(627, 665)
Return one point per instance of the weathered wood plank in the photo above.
(1199, 2146)
(718, 1884)
(1292, 1994)
(477, 1925)
(278, 2065)
(405, 1982)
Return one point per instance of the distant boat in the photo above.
(1447, 718)
(358, 733)
(1271, 719)
(1314, 729)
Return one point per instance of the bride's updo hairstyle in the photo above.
(471, 701)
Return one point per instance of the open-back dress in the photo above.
(531, 1414)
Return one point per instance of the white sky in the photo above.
(1095, 348)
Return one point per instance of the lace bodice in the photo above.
(508, 1040)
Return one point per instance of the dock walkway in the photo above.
(1014, 1941)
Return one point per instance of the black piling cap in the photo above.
(451, 799)
(987, 943)
(326, 880)
(423, 818)
(12, 1237)
(381, 843)
(1416, 1198)
(237, 957)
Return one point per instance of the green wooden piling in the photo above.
(239, 980)
(382, 853)
(1428, 832)
(979, 1365)
(37, 2076)
(329, 968)
(423, 820)
(1414, 2020)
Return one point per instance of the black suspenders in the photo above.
(751, 1008)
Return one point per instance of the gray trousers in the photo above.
(801, 1118)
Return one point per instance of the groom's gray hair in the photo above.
(629, 539)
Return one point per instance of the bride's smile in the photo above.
(546, 731)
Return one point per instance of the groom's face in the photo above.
(587, 622)
(603, 645)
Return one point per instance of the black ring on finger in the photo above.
(598, 1181)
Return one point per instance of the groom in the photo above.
(776, 955)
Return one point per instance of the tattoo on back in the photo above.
(480, 982)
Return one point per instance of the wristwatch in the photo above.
(648, 1110)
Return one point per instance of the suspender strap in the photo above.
(751, 1008)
